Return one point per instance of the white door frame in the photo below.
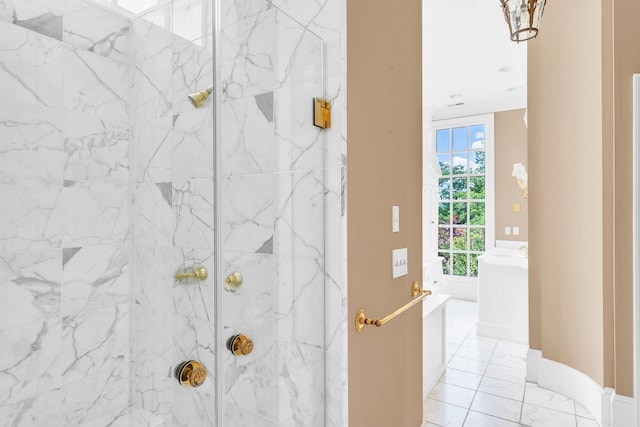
(636, 244)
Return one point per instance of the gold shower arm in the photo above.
(199, 273)
(362, 320)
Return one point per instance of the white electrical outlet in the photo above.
(516, 231)
(395, 219)
(400, 262)
(507, 231)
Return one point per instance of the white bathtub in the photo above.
(503, 295)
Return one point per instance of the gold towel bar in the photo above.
(362, 320)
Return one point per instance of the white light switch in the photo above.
(516, 231)
(400, 262)
(507, 231)
(395, 219)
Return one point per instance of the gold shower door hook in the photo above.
(199, 273)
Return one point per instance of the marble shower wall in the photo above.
(64, 225)
(173, 210)
(283, 217)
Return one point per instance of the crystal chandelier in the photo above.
(523, 17)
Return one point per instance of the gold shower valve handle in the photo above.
(199, 273)
(191, 373)
(233, 281)
(240, 345)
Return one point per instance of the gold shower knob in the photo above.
(240, 345)
(191, 373)
(233, 281)
(199, 273)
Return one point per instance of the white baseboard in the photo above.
(431, 382)
(609, 409)
(623, 411)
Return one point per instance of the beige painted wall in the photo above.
(566, 188)
(580, 126)
(510, 147)
(384, 168)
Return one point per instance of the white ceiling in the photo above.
(465, 44)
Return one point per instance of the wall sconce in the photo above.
(520, 173)
(523, 17)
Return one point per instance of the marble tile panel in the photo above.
(336, 406)
(195, 298)
(41, 16)
(30, 286)
(452, 394)
(586, 422)
(151, 34)
(299, 227)
(35, 218)
(248, 136)
(537, 416)
(236, 416)
(95, 277)
(41, 410)
(326, 19)
(152, 360)
(96, 86)
(249, 381)
(153, 275)
(335, 317)
(497, 406)
(193, 213)
(250, 307)
(193, 142)
(248, 217)
(152, 150)
(299, 312)
(583, 412)
(193, 407)
(301, 384)
(443, 414)
(300, 52)
(94, 213)
(28, 360)
(547, 399)
(248, 57)
(153, 214)
(301, 145)
(192, 19)
(95, 362)
(128, 417)
(31, 144)
(93, 28)
(151, 87)
(95, 150)
(192, 72)
(234, 11)
(30, 67)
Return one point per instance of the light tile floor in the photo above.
(484, 383)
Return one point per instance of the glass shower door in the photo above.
(270, 221)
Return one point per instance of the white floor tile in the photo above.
(443, 414)
(547, 399)
(537, 416)
(583, 412)
(510, 360)
(461, 379)
(481, 343)
(455, 395)
(505, 373)
(586, 422)
(428, 424)
(497, 406)
(502, 388)
(474, 353)
(477, 419)
(516, 349)
(468, 365)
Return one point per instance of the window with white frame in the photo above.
(465, 205)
